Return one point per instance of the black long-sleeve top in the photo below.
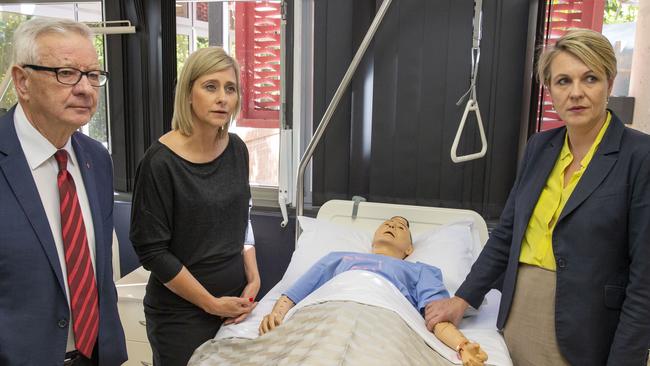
(190, 214)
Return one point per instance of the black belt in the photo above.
(72, 358)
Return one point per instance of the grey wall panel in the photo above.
(143, 74)
(337, 37)
(420, 62)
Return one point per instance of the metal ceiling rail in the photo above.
(472, 102)
(322, 126)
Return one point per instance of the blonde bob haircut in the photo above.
(202, 62)
(590, 47)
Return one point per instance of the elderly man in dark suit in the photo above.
(58, 302)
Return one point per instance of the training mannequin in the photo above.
(391, 244)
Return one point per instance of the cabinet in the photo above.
(130, 292)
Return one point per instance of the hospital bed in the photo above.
(318, 329)
(359, 314)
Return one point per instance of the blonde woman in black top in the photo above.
(190, 214)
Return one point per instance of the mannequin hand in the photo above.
(270, 321)
(229, 306)
(473, 355)
(446, 310)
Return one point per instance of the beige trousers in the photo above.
(530, 329)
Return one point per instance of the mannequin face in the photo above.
(393, 238)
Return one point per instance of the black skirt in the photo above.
(176, 327)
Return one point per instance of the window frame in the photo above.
(81, 13)
(263, 196)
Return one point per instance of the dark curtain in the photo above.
(142, 70)
(391, 136)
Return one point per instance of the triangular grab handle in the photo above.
(471, 106)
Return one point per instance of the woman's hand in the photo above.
(250, 292)
(229, 306)
(472, 355)
(253, 282)
(251, 289)
(187, 287)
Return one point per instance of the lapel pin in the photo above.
(88, 165)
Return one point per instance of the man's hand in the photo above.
(472, 355)
(446, 310)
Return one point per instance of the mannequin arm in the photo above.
(275, 318)
(470, 353)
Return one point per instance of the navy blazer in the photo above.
(34, 312)
(601, 244)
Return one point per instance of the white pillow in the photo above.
(450, 248)
(320, 238)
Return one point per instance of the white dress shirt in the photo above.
(40, 157)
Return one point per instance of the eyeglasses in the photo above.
(72, 76)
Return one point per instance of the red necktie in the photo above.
(81, 276)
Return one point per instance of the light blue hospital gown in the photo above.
(420, 283)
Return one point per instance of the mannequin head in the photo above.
(393, 238)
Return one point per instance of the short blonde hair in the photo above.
(202, 62)
(590, 47)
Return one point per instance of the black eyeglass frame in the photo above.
(56, 70)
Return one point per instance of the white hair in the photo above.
(25, 47)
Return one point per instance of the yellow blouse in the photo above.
(537, 248)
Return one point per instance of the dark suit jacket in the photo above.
(601, 244)
(34, 313)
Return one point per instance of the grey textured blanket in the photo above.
(331, 333)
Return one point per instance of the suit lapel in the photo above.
(599, 167)
(16, 170)
(88, 175)
(542, 167)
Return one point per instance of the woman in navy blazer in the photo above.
(600, 304)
